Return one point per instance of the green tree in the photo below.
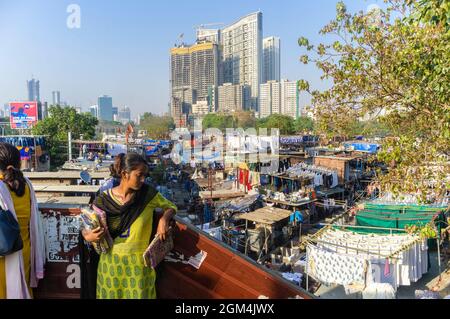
(395, 63)
(245, 119)
(283, 122)
(220, 121)
(303, 123)
(62, 120)
(158, 127)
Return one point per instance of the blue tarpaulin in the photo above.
(362, 146)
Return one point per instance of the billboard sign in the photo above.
(23, 114)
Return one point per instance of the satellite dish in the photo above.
(85, 177)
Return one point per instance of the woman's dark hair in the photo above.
(10, 166)
(126, 163)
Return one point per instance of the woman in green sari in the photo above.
(129, 209)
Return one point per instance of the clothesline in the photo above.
(404, 247)
(403, 258)
(315, 241)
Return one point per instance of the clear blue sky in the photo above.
(122, 47)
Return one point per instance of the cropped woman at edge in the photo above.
(20, 271)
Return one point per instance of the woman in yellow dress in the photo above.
(20, 271)
(129, 208)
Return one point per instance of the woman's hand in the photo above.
(93, 235)
(163, 228)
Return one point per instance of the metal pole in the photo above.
(70, 145)
(246, 236)
(306, 270)
(439, 256)
(35, 157)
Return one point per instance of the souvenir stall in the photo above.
(370, 265)
(33, 151)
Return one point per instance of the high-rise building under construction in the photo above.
(194, 71)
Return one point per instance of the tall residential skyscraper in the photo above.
(194, 70)
(279, 98)
(56, 95)
(105, 108)
(204, 68)
(272, 59)
(33, 90)
(242, 54)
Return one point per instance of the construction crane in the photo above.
(180, 40)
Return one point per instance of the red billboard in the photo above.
(23, 114)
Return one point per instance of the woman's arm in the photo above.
(164, 222)
(169, 212)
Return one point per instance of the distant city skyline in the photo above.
(122, 50)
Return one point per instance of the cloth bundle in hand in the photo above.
(92, 219)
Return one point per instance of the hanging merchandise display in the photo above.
(32, 150)
(25, 152)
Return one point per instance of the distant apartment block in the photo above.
(124, 115)
(181, 102)
(7, 110)
(279, 98)
(200, 108)
(56, 98)
(94, 110)
(233, 97)
(272, 59)
(290, 98)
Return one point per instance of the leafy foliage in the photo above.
(394, 63)
(62, 120)
(303, 123)
(239, 119)
(158, 127)
(283, 122)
